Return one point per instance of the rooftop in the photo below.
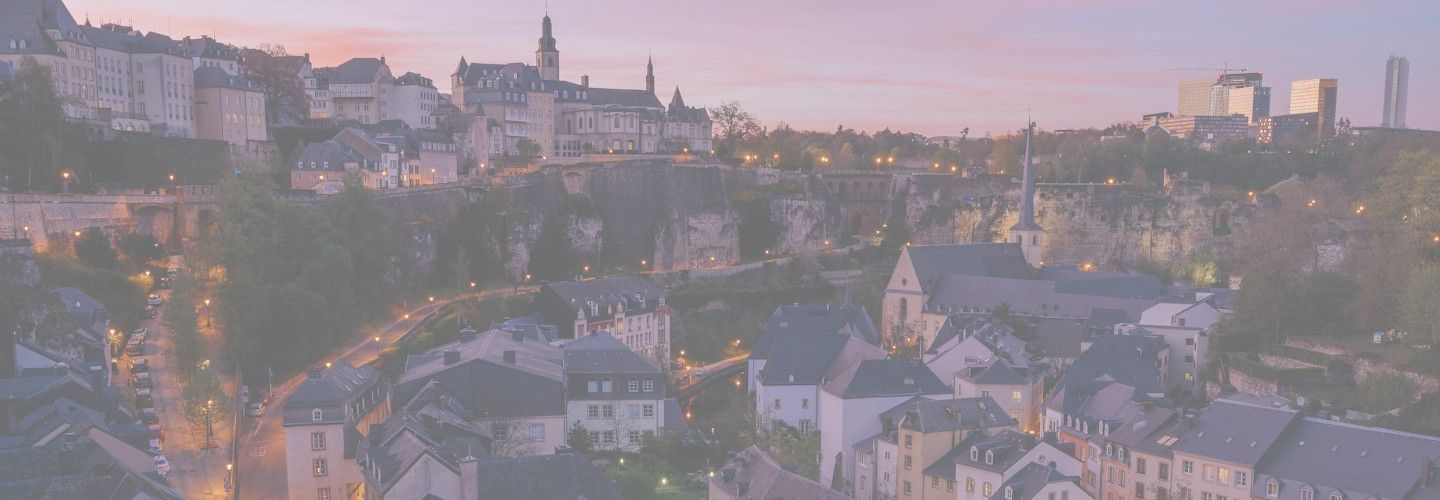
(753, 474)
(886, 377)
(1235, 432)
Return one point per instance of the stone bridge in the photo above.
(174, 215)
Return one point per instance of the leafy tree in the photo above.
(528, 149)
(205, 400)
(1420, 316)
(139, 248)
(578, 439)
(93, 248)
(32, 129)
(364, 229)
(637, 484)
(552, 259)
(181, 320)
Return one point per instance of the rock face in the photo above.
(1083, 222)
(802, 222)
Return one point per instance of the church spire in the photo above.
(1026, 232)
(650, 74)
(677, 102)
(547, 57)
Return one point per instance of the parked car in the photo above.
(156, 432)
(135, 348)
(155, 446)
(163, 283)
(139, 333)
(142, 396)
(139, 365)
(142, 380)
(148, 312)
(255, 409)
(153, 300)
(149, 416)
(162, 465)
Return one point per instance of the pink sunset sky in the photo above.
(929, 66)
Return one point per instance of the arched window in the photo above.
(974, 453)
(990, 457)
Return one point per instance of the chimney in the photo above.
(469, 478)
(452, 357)
(585, 82)
(509, 357)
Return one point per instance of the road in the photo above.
(195, 470)
(262, 442)
(685, 381)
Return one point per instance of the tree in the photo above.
(578, 439)
(552, 259)
(528, 149)
(181, 320)
(1419, 314)
(205, 400)
(93, 248)
(363, 228)
(139, 248)
(732, 124)
(275, 70)
(32, 129)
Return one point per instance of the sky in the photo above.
(933, 67)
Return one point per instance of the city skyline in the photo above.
(797, 63)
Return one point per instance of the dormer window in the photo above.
(1307, 493)
(974, 454)
(1337, 495)
(1272, 488)
(1009, 493)
(316, 415)
(990, 457)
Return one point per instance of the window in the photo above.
(317, 441)
(592, 411)
(607, 411)
(1223, 476)
(1139, 489)
(1139, 466)
(1307, 494)
(974, 454)
(969, 485)
(934, 481)
(647, 410)
(909, 441)
(607, 437)
(649, 385)
(1335, 495)
(632, 411)
(605, 386)
(1272, 488)
(316, 415)
(1207, 496)
(988, 490)
(323, 494)
(1188, 467)
(806, 426)
(949, 485)
(907, 462)
(989, 457)
(500, 431)
(537, 432)
(633, 437)
(907, 488)
(1164, 471)
(318, 467)
(805, 403)
(1015, 396)
(1208, 473)
(633, 385)
(1241, 478)
(775, 404)
(1009, 493)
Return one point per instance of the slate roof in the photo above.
(1058, 337)
(1362, 462)
(434, 423)
(562, 476)
(1029, 480)
(801, 360)
(631, 98)
(971, 259)
(808, 319)
(1126, 359)
(1235, 432)
(886, 377)
(210, 76)
(999, 372)
(359, 70)
(930, 415)
(28, 19)
(954, 292)
(94, 465)
(413, 78)
(336, 386)
(609, 294)
(600, 353)
(113, 37)
(1150, 430)
(329, 155)
(484, 382)
(1006, 447)
(86, 311)
(529, 326)
(763, 478)
(210, 48)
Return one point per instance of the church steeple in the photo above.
(650, 75)
(547, 57)
(1026, 232)
(677, 102)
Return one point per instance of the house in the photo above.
(1018, 390)
(805, 320)
(1138, 362)
(1322, 459)
(1223, 445)
(1036, 481)
(509, 385)
(932, 435)
(628, 306)
(983, 357)
(1185, 325)
(753, 474)
(90, 463)
(91, 343)
(1136, 458)
(616, 395)
(789, 387)
(323, 420)
(851, 402)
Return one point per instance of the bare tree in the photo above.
(274, 69)
(511, 438)
(733, 123)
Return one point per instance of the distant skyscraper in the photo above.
(1397, 88)
(1194, 98)
(1316, 95)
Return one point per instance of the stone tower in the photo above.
(547, 57)
(650, 75)
(1026, 232)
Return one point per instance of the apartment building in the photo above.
(320, 417)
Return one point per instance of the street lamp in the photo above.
(65, 181)
(209, 427)
(208, 314)
(377, 346)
